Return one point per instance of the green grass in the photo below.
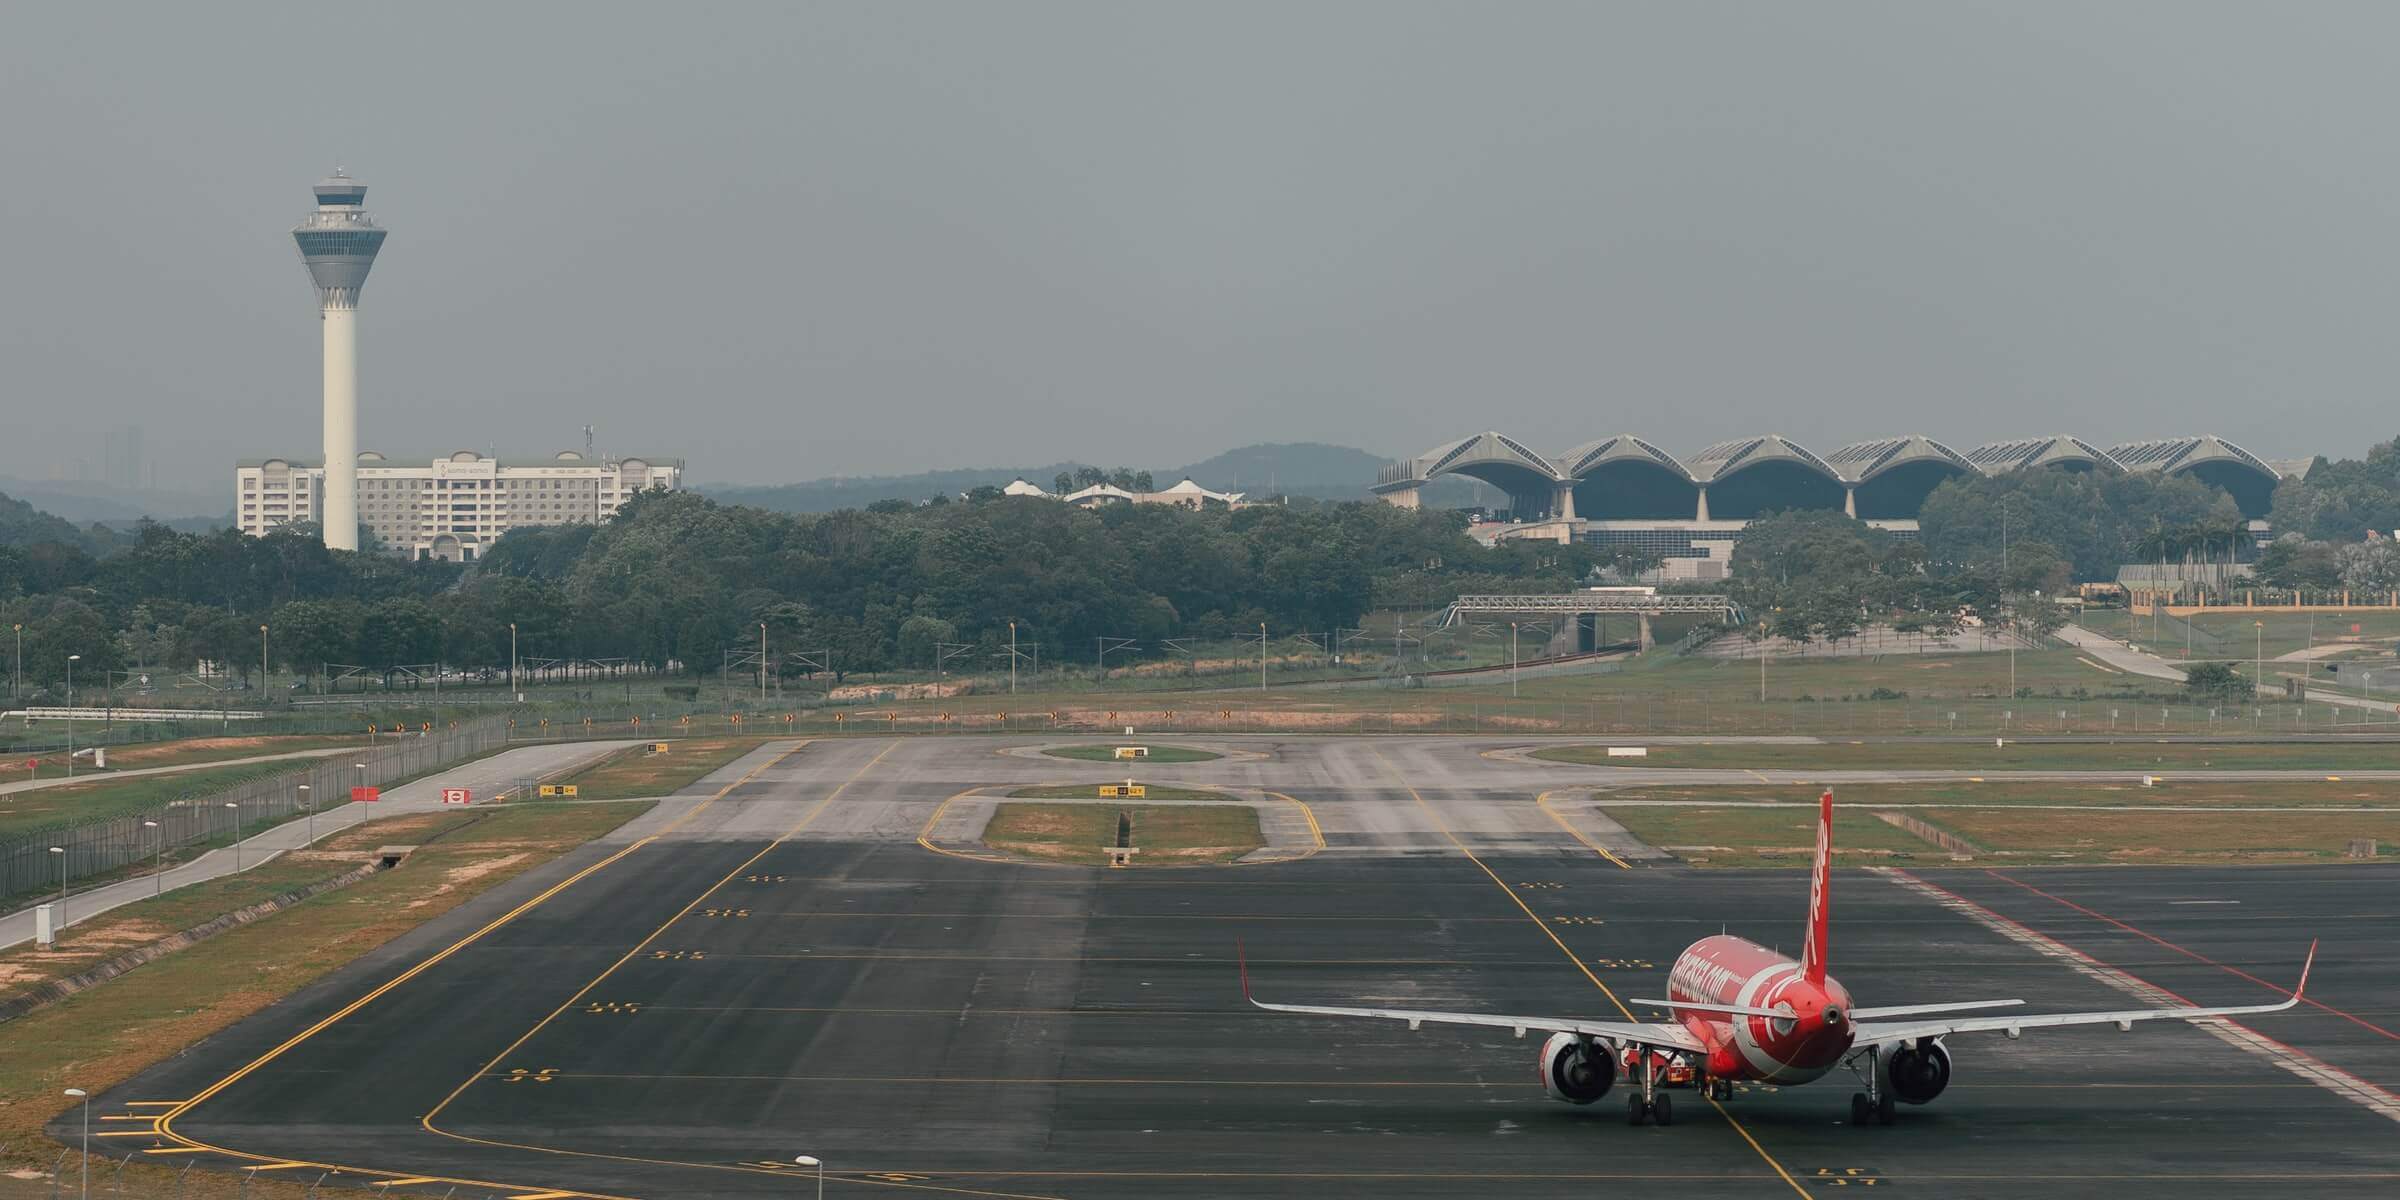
(87, 943)
(2016, 756)
(2020, 822)
(1107, 752)
(2236, 637)
(110, 796)
(2326, 792)
(636, 773)
(1163, 836)
(1771, 837)
(107, 1035)
(1091, 791)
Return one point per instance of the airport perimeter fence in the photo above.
(28, 865)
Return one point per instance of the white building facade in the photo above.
(455, 507)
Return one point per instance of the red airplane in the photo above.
(1744, 1012)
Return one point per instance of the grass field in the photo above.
(1107, 752)
(1165, 835)
(1771, 837)
(87, 943)
(2232, 635)
(106, 1035)
(189, 752)
(635, 773)
(2295, 793)
(1091, 791)
(2016, 756)
(2023, 823)
(106, 797)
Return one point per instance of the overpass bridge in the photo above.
(1585, 609)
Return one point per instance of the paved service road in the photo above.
(483, 776)
(92, 776)
(772, 966)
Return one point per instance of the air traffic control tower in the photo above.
(339, 241)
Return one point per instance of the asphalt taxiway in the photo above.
(773, 966)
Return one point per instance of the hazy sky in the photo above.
(802, 240)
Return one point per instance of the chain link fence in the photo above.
(61, 854)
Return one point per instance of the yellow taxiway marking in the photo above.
(178, 1108)
(1543, 802)
(136, 1117)
(1572, 957)
(488, 1070)
(543, 1195)
(1760, 776)
(281, 1166)
(152, 1103)
(126, 1133)
(411, 1181)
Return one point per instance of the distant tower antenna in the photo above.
(588, 454)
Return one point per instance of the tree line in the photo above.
(675, 580)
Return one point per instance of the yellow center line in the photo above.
(1572, 957)
(1543, 802)
(178, 1108)
(638, 947)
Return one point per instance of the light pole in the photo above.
(2258, 655)
(512, 659)
(762, 665)
(1512, 660)
(61, 852)
(236, 806)
(158, 849)
(72, 659)
(262, 663)
(362, 782)
(85, 1097)
(310, 802)
(16, 673)
(810, 1160)
(1262, 656)
(1012, 658)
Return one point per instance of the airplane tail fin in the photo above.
(1820, 895)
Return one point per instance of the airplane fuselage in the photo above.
(1736, 971)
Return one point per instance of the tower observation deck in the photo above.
(339, 242)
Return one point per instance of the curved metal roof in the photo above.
(1998, 457)
(1486, 449)
(1591, 456)
(2182, 453)
(1725, 458)
(1859, 462)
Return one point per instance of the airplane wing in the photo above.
(1874, 1032)
(1670, 1037)
(1665, 1036)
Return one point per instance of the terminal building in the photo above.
(454, 507)
(1626, 492)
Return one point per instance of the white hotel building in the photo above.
(452, 508)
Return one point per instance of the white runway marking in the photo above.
(2317, 1071)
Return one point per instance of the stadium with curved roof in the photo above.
(1624, 490)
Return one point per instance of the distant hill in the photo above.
(89, 500)
(859, 491)
(22, 524)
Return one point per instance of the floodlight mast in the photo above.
(339, 242)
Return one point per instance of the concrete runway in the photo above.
(782, 970)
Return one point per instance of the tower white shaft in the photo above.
(339, 242)
(340, 495)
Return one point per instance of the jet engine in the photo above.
(1576, 1071)
(1917, 1073)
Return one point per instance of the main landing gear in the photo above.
(1649, 1102)
(1873, 1104)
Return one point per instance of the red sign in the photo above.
(457, 796)
(32, 763)
(365, 795)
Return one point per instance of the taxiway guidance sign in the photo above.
(365, 795)
(457, 796)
